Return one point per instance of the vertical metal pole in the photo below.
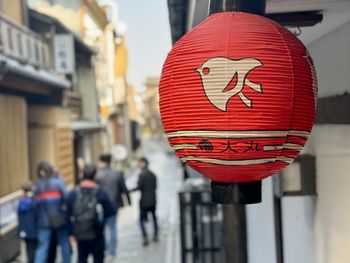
(235, 243)
(212, 237)
(202, 233)
(278, 229)
(194, 224)
(183, 209)
(235, 234)
(277, 198)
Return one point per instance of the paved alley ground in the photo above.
(130, 249)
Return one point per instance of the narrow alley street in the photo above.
(130, 249)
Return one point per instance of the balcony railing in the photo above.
(22, 44)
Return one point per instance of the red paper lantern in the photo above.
(238, 97)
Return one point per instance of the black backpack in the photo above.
(86, 220)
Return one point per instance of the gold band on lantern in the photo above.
(236, 134)
(284, 159)
(286, 146)
(177, 147)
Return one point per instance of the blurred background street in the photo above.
(130, 248)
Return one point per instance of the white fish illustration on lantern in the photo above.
(222, 78)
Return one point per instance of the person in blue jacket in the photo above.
(26, 229)
(88, 207)
(50, 194)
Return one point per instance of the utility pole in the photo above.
(234, 195)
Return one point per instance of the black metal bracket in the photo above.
(236, 193)
(251, 6)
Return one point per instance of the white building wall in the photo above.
(298, 217)
(315, 230)
(331, 146)
(261, 228)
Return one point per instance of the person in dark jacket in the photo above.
(50, 194)
(88, 207)
(113, 182)
(147, 185)
(26, 229)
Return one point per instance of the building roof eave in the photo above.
(39, 75)
(52, 20)
(97, 12)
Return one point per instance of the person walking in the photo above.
(26, 229)
(88, 207)
(50, 194)
(114, 184)
(147, 185)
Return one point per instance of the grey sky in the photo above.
(148, 37)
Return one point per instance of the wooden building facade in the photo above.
(42, 116)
